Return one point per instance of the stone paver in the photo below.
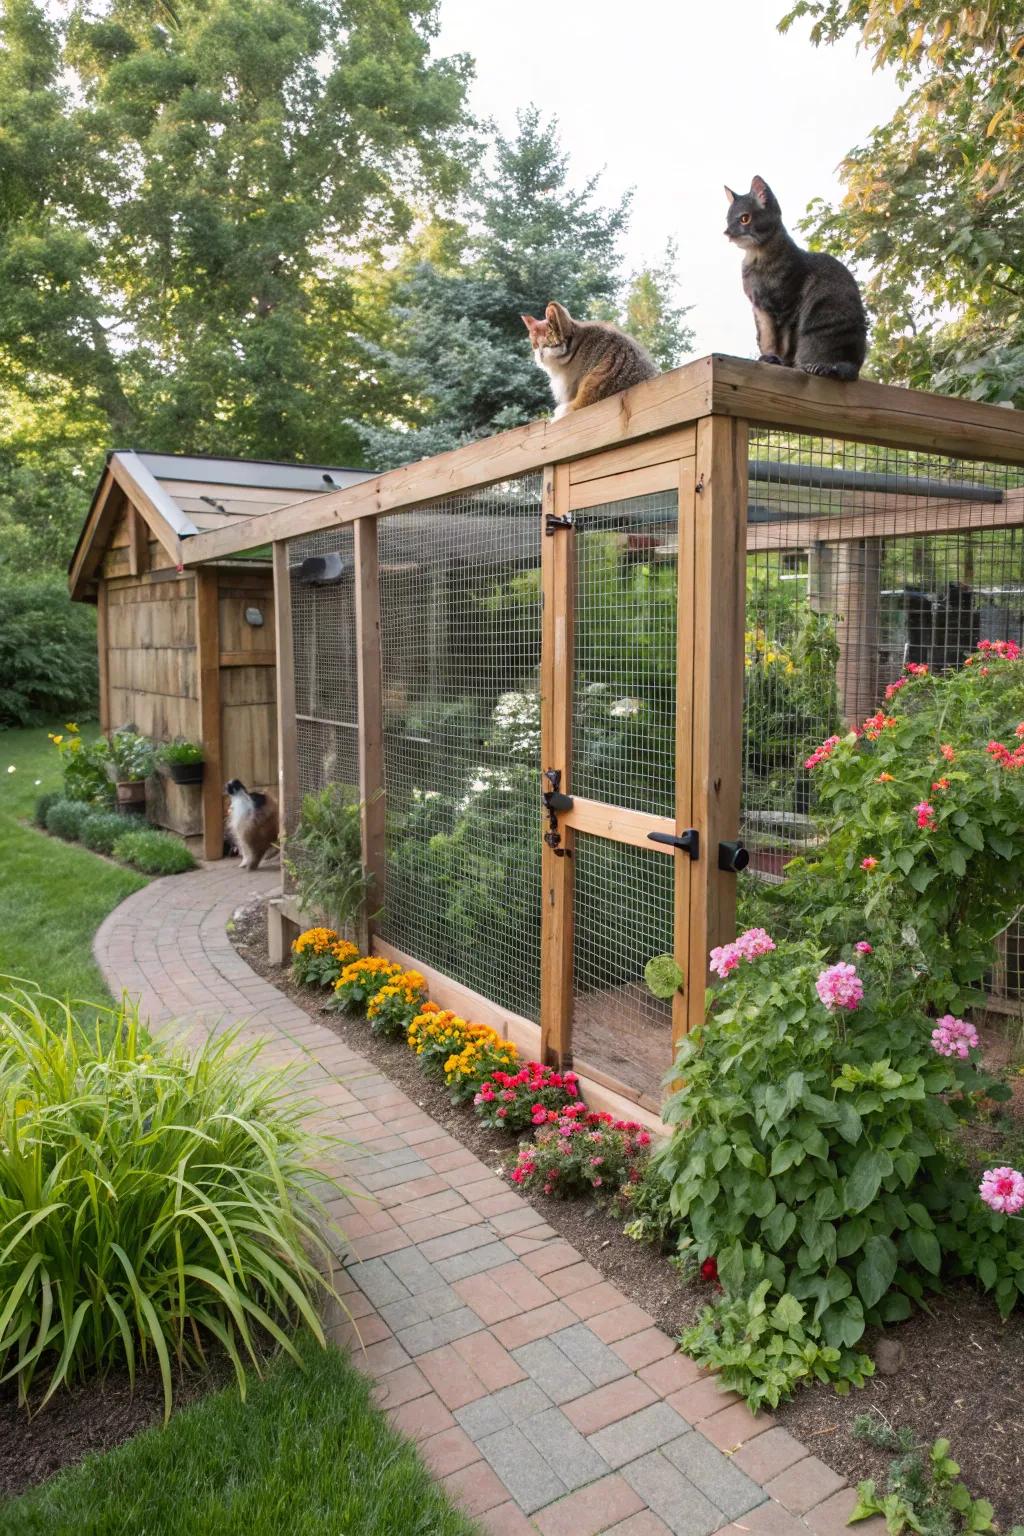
(542, 1398)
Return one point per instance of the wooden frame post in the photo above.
(558, 601)
(208, 673)
(370, 693)
(683, 1019)
(284, 681)
(103, 652)
(720, 544)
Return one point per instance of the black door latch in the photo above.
(688, 841)
(555, 802)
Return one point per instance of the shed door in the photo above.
(616, 754)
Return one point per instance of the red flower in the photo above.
(709, 1269)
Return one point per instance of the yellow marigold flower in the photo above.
(344, 952)
(372, 965)
(56, 739)
(317, 939)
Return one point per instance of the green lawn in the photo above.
(53, 896)
(305, 1455)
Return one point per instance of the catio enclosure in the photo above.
(570, 667)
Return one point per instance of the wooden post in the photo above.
(103, 652)
(682, 1019)
(858, 594)
(284, 661)
(208, 673)
(370, 692)
(138, 542)
(720, 528)
(558, 601)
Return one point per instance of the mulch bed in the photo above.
(96, 1416)
(958, 1371)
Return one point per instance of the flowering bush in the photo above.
(436, 1035)
(579, 1151)
(361, 980)
(84, 766)
(479, 1058)
(319, 956)
(392, 1009)
(518, 1100)
(923, 809)
(809, 1160)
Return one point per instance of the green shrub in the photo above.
(183, 752)
(42, 807)
(810, 1160)
(325, 855)
(102, 829)
(47, 651)
(83, 765)
(154, 853)
(923, 1489)
(131, 754)
(152, 1203)
(66, 818)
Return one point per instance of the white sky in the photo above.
(674, 99)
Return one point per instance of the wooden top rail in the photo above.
(714, 385)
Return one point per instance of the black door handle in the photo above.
(688, 841)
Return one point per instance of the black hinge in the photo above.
(552, 523)
(554, 802)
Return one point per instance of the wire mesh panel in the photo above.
(625, 638)
(321, 568)
(859, 560)
(460, 642)
(623, 918)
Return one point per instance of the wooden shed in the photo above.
(189, 653)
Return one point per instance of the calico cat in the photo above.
(585, 360)
(252, 822)
(807, 306)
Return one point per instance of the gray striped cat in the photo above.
(807, 307)
(585, 360)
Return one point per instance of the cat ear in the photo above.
(558, 316)
(530, 323)
(730, 195)
(761, 190)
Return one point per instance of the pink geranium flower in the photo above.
(724, 959)
(953, 1037)
(925, 816)
(1003, 1190)
(869, 863)
(821, 753)
(840, 987)
(754, 942)
(864, 948)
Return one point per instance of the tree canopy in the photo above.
(934, 199)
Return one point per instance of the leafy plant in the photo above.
(924, 816)
(319, 956)
(324, 855)
(151, 1202)
(577, 1151)
(663, 976)
(392, 1009)
(478, 1059)
(83, 765)
(361, 980)
(154, 853)
(438, 1035)
(42, 807)
(923, 1488)
(47, 650)
(131, 755)
(101, 830)
(66, 819)
(647, 1204)
(181, 752)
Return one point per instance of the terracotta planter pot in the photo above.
(131, 795)
(186, 773)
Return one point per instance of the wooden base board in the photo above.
(523, 1033)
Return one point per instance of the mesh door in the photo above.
(324, 639)
(460, 639)
(623, 917)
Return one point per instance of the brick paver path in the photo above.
(541, 1397)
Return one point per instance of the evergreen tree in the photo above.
(455, 345)
(653, 316)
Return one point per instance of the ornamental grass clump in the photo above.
(102, 829)
(520, 1101)
(392, 1009)
(360, 981)
(319, 956)
(152, 1204)
(154, 853)
(66, 818)
(577, 1151)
